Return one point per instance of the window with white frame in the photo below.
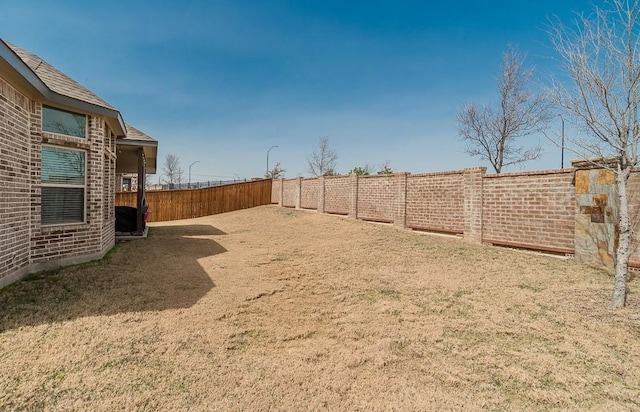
(63, 185)
(64, 122)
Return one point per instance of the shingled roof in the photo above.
(57, 81)
(56, 87)
(135, 134)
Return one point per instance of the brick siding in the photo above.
(15, 193)
(309, 193)
(291, 193)
(276, 189)
(376, 198)
(633, 191)
(435, 201)
(530, 209)
(25, 244)
(337, 194)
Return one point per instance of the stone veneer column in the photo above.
(472, 186)
(400, 216)
(321, 194)
(596, 214)
(353, 194)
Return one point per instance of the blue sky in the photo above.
(220, 82)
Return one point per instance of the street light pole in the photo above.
(197, 161)
(562, 146)
(267, 173)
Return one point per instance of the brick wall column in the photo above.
(298, 192)
(473, 178)
(281, 194)
(321, 194)
(400, 216)
(353, 195)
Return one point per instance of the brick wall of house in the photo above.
(533, 209)
(14, 182)
(290, 192)
(25, 244)
(435, 201)
(376, 199)
(337, 194)
(109, 190)
(309, 193)
(66, 243)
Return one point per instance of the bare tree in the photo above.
(323, 160)
(171, 170)
(276, 172)
(492, 133)
(601, 56)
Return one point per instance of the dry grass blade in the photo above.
(271, 308)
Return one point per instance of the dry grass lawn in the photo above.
(273, 308)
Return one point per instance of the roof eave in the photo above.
(117, 124)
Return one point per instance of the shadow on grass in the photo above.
(161, 272)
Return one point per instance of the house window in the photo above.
(63, 185)
(63, 122)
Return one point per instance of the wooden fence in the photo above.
(189, 203)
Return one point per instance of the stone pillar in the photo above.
(281, 194)
(473, 180)
(596, 214)
(400, 217)
(321, 194)
(353, 193)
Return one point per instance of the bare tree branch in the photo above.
(171, 170)
(601, 56)
(492, 133)
(323, 160)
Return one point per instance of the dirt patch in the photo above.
(273, 308)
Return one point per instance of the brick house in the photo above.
(59, 146)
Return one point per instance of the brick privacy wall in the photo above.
(534, 209)
(95, 235)
(14, 180)
(633, 190)
(376, 198)
(309, 193)
(435, 201)
(290, 193)
(276, 187)
(337, 194)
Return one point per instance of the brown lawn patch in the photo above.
(288, 310)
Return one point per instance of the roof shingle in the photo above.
(57, 81)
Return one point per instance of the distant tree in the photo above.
(602, 59)
(323, 160)
(493, 133)
(171, 170)
(385, 169)
(276, 173)
(361, 171)
(148, 183)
